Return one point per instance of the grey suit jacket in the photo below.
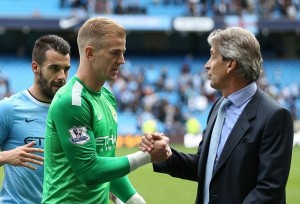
(255, 162)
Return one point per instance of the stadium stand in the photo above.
(171, 99)
(36, 9)
(64, 8)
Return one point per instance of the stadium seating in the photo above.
(53, 8)
(41, 8)
(46, 8)
(279, 73)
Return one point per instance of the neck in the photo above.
(89, 78)
(35, 92)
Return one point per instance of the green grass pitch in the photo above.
(160, 188)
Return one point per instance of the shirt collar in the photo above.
(243, 95)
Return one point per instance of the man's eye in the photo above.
(55, 68)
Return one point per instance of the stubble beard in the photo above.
(45, 87)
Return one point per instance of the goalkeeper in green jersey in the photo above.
(80, 143)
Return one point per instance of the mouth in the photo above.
(115, 71)
(57, 86)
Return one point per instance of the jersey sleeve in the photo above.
(122, 188)
(88, 166)
(5, 119)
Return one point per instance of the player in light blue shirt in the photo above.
(23, 122)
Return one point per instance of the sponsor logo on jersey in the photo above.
(99, 116)
(79, 135)
(28, 120)
(39, 141)
(106, 143)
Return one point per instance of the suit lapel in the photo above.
(210, 126)
(204, 145)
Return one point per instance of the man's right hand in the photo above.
(22, 156)
(157, 144)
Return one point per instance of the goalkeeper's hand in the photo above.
(136, 199)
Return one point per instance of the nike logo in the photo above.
(68, 23)
(27, 120)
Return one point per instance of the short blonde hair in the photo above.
(95, 30)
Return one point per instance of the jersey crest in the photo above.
(79, 135)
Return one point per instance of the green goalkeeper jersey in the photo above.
(80, 143)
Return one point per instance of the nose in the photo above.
(121, 59)
(207, 65)
(62, 74)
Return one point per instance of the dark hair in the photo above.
(49, 42)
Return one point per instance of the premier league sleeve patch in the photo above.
(79, 135)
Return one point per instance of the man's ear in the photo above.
(35, 67)
(232, 64)
(89, 53)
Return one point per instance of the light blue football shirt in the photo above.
(22, 120)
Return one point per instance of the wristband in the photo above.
(136, 199)
(138, 159)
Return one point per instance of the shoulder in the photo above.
(267, 101)
(13, 100)
(12, 105)
(72, 90)
(266, 106)
(71, 97)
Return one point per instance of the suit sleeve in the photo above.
(275, 159)
(180, 165)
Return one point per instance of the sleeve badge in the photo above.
(79, 135)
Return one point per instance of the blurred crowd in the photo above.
(4, 87)
(154, 95)
(169, 97)
(214, 8)
(172, 100)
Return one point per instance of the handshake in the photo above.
(154, 148)
(157, 145)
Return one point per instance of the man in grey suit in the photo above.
(254, 152)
